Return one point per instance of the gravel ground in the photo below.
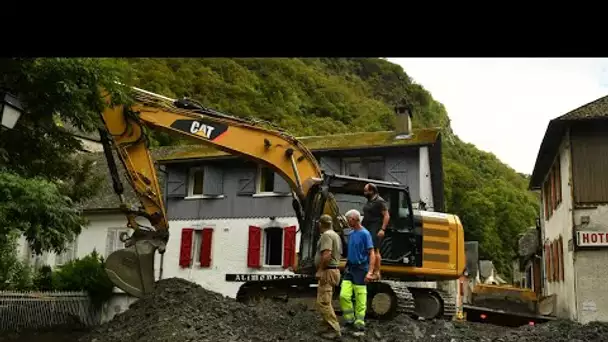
(183, 311)
(55, 335)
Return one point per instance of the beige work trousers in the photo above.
(328, 280)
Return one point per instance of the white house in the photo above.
(571, 173)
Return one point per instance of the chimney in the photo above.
(403, 126)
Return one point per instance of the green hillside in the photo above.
(320, 96)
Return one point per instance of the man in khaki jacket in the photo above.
(327, 258)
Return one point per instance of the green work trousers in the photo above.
(353, 284)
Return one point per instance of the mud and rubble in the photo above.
(183, 311)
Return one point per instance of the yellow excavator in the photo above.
(418, 245)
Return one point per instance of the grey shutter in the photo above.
(396, 170)
(246, 182)
(375, 169)
(331, 165)
(213, 180)
(280, 185)
(177, 183)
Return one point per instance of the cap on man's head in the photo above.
(325, 220)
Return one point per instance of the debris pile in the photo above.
(182, 311)
(558, 331)
(179, 310)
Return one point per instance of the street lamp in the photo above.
(11, 109)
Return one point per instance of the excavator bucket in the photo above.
(132, 269)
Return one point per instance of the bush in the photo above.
(86, 274)
(22, 277)
(43, 279)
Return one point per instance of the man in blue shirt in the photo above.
(359, 270)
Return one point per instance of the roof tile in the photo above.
(592, 110)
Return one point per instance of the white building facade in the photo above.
(571, 173)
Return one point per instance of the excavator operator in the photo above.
(375, 219)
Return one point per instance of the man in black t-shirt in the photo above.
(375, 220)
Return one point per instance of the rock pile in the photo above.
(182, 311)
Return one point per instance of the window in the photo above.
(552, 190)
(195, 247)
(554, 260)
(195, 184)
(368, 167)
(113, 242)
(68, 254)
(529, 278)
(197, 243)
(375, 169)
(352, 168)
(36, 260)
(266, 180)
(273, 246)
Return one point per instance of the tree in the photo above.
(42, 178)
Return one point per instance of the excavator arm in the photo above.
(132, 268)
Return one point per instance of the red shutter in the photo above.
(185, 253)
(558, 169)
(553, 189)
(206, 247)
(289, 246)
(253, 250)
(548, 263)
(554, 261)
(560, 246)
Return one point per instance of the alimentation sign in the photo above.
(261, 277)
(591, 239)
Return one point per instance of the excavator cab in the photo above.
(337, 194)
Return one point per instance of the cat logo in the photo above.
(197, 127)
(202, 127)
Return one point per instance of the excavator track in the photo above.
(405, 300)
(433, 303)
(427, 303)
(418, 302)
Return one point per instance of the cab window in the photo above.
(400, 211)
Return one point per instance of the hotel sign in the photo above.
(591, 239)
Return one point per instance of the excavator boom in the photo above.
(131, 269)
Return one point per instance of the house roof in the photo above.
(105, 198)
(336, 142)
(596, 110)
(528, 243)
(73, 130)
